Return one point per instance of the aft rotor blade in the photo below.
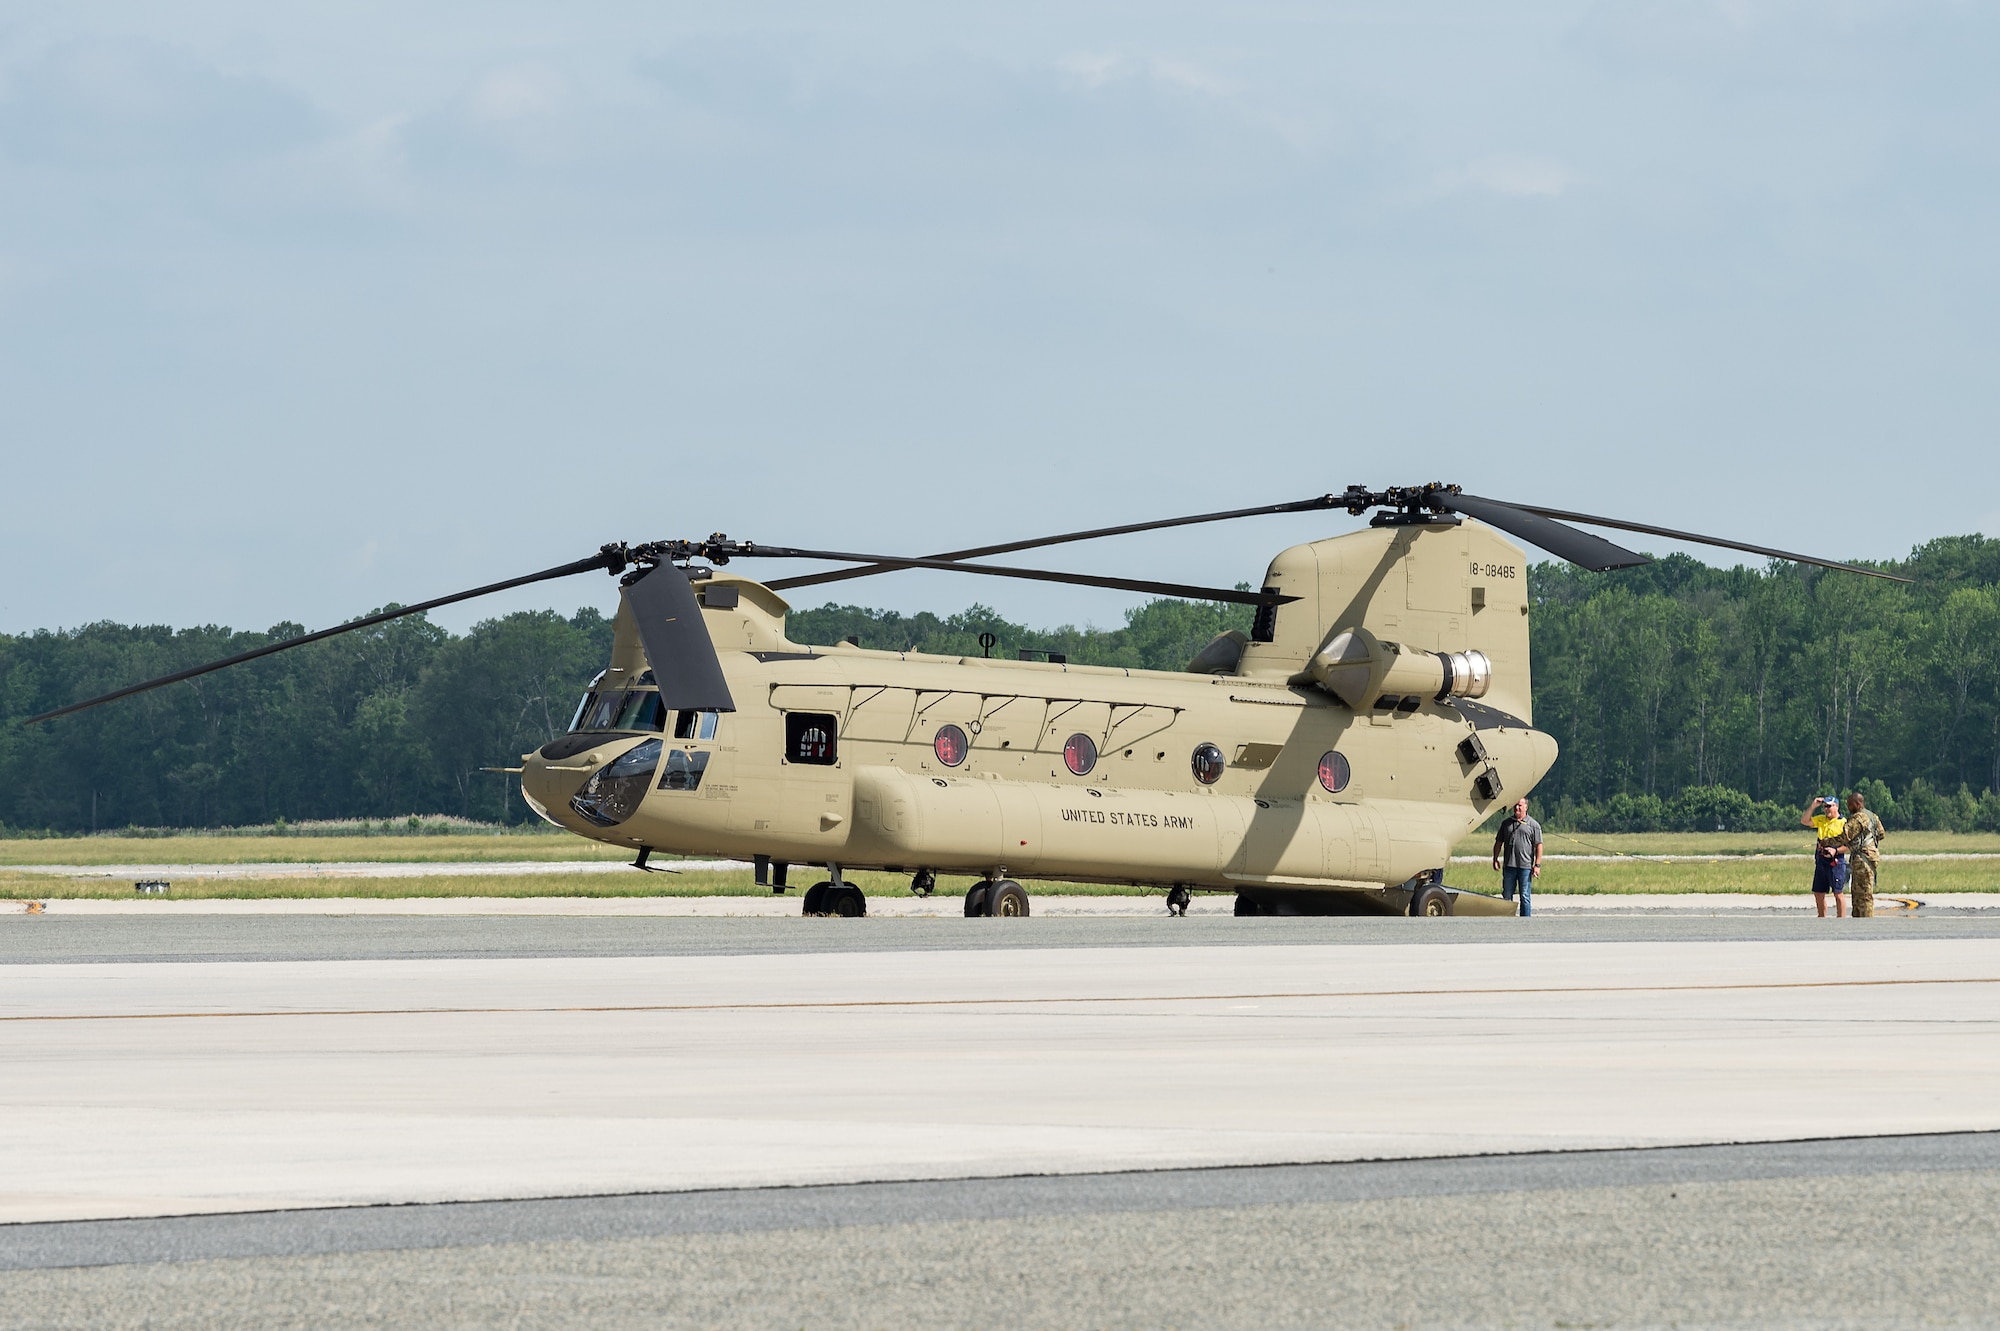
(599, 560)
(1037, 542)
(1695, 539)
(677, 644)
(1578, 547)
(888, 562)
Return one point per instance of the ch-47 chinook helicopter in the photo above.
(1324, 763)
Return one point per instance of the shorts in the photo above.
(1829, 875)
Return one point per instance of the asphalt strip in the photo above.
(748, 1210)
(55, 940)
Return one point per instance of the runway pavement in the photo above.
(563, 931)
(162, 1067)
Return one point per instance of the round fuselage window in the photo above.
(951, 745)
(1080, 754)
(1208, 764)
(1334, 773)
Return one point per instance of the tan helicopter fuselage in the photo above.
(833, 755)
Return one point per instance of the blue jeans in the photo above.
(1524, 879)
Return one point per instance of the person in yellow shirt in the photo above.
(1829, 854)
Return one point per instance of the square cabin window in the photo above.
(809, 738)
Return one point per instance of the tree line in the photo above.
(1684, 697)
(1672, 681)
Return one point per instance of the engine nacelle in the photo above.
(1362, 671)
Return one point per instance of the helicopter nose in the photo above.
(553, 774)
(586, 782)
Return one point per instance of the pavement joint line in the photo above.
(393, 1226)
(994, 1002)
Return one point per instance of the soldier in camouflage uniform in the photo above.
(1864, 831)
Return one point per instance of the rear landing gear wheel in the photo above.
(814, 901)
(923, 884)
(1178, 898)
(1431, 900)
(845, 901)
(1246, 905)
(975, 900)
(1007, 899)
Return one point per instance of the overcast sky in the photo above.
(309, 307)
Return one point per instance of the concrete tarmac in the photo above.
(170, 1067)
(289, 936)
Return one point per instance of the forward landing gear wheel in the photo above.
(846, 902)
(975, 900)
(923, 884)
(814, 901)
(1431, 900)
(1007, 899)
(1246, 905)
(1178, 898)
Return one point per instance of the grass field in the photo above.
(1733, 875)
(306, 849)
(15, 885)
(1712, 862)
(1708, 844)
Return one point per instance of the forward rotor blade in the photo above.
(1036, 542)
(677, 644)
(1578, 547)
(888, 562)
(599, 560)
(1694, 539)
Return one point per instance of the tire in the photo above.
(1431, 900)
(846, 902)
(1246, 904)
(814, 901)
(975, 900)
(1007, 899)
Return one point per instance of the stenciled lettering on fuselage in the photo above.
(1173, 822)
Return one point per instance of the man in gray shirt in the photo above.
(1519, 841)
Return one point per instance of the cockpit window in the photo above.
(614, 791)
(695, 725)
(589, 696)
(621, 709)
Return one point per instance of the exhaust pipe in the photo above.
(1365, 672)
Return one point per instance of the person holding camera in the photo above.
(1829, 854)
